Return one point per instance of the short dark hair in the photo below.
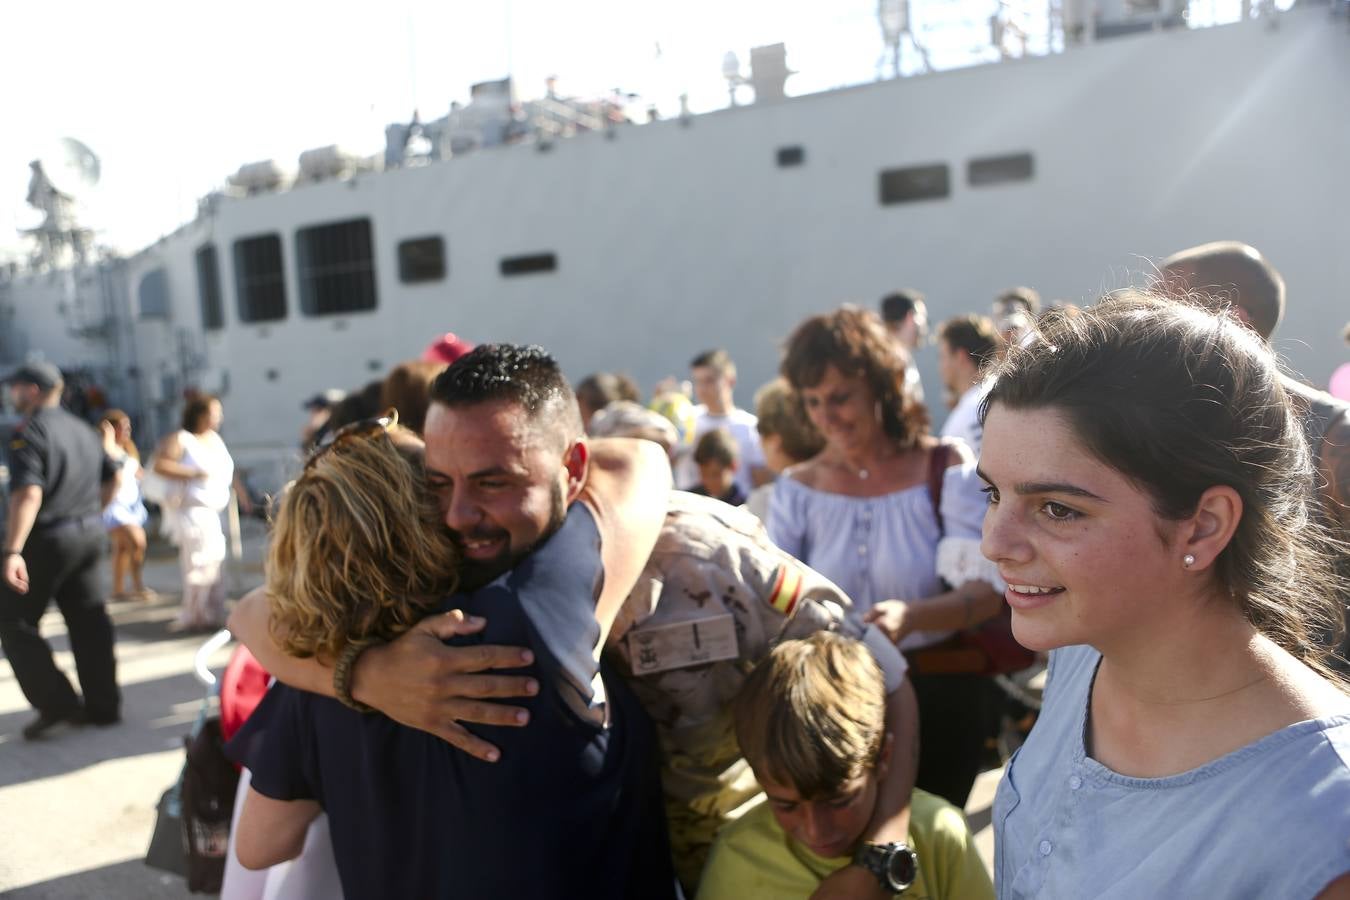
(524, 375)
(599, 390)
(195, 411)
(406, 388)
(1027, 298)
(779, 411)
(974, 334)
(718, 360)
(896, 306)
(717, 445)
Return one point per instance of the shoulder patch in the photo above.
(787, 589)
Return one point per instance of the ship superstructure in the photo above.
(631, 248)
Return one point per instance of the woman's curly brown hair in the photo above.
(854, 341)
(359, 551)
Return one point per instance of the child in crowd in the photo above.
(718, 458)
(811, 722)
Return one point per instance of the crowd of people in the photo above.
(512, 661)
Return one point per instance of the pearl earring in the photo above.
(1188, 560)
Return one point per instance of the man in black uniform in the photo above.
(53, 541)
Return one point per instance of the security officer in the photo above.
(52, 545)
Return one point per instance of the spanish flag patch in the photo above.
(787, 588)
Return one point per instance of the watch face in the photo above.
(902, 868)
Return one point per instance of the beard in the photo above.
(475, 573)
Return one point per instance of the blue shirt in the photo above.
(1270, 820)
(886, 547)
(573, 809)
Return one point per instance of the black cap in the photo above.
(43, 374)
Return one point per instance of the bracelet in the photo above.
(342, 676)
(12, 553)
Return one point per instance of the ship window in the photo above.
(421, 259)
(208, 288)
(259, 278)
(528, 265)
(154, 295)
(791, 156)
(930, 182)
(1000, 169)
(337, 268)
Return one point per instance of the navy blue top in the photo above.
(573, 809)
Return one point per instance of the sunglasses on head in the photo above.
(365, 428)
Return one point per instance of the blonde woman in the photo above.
(359, 555)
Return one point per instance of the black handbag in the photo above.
(166, 843)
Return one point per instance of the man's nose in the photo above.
(462, 513)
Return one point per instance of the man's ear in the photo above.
(576, 461)
(1211, 526)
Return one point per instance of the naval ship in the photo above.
(632, 246)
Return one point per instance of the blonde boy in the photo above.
(811, 722)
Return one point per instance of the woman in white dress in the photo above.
(196, 457)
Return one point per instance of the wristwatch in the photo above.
(894, 865)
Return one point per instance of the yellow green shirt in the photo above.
(754, 858)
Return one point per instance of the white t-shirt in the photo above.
(741, 424)
(964, 420)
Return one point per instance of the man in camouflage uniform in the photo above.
(715, 597)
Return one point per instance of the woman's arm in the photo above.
(272, 831)
(963, 607)
(627, 489)
(168, 463)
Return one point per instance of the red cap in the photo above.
(446, 349)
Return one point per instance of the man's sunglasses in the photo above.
(365, 428)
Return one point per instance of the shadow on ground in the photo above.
(107, 882)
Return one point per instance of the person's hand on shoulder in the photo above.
(890, 616)
(419, 681)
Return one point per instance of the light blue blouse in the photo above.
(1271, 820)
(887, 547)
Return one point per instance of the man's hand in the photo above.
(16, 573)
(420, 682)
(890, 616)
(850, 883)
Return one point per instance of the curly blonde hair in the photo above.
(358, 551)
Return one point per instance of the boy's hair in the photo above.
(780, 413)
(717, 446)
(812, 715)
(899, 304)
(1027, 298)
(974, 334)
(718, 360)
